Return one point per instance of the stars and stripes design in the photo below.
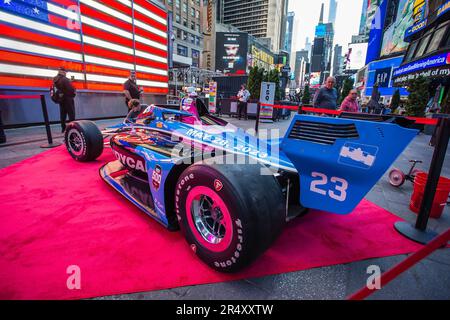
(98, 42)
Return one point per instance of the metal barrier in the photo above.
(50, 143)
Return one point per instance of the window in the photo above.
(422, 45)
(197, 28)
(410, 53)
(197, 14)
(192, 12)
(177, 4)
(177, 18)
(436, 40)
(192, 38)
(185, 7)
(195, 58)
(182, 50)
(185, 22)
(185, 35)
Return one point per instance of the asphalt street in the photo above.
(429, 279)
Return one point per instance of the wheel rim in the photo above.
(75, 142)
(209, 219)
(396, 177)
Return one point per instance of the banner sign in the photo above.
(434, 67)
(415, 28)
(267, 100)
(212, 96)
(427, 63)
(383, 77)
(443, 9)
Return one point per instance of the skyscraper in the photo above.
(323, 47)
(337, 60)
(332, 12)
(289, 30)
(260, 18)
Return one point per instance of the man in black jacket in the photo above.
(67, 104)
(131, 89)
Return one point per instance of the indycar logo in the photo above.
(157, 177)
(358, 155)
(130, 162)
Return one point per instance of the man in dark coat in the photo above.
(67, 104)
(131, 89)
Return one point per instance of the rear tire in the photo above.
(229, 214)
(83, 140)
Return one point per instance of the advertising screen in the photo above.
(393, 36)
(314, 80)
(231, 52)
(98, 50)
(358, 55)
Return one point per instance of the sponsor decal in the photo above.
(218, 185)
(219, 141)
(129, 161)
(159, 125)
(157, 177)
(358, 155)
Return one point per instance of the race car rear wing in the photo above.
(339, 160)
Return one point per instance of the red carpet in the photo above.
(55, 212)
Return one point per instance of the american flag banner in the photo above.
(98, 42)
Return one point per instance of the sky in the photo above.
(307, 14)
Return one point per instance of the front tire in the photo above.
(83, 140)
(229, 214)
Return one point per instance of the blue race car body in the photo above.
(229, 191)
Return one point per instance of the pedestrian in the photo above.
(350, 103)
(131, 89)
(67, 93)
(243, 96)
(326, 97)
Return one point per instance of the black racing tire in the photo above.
(83, 140)
(251, 210)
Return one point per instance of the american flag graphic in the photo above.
(98, 42)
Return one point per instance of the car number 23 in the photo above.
(338, 190)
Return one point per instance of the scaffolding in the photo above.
(188, 77)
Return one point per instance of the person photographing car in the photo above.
(131, 89)
(63, 93)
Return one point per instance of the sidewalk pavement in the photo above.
(429, 279)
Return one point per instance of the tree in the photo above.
(306, 98)
(395, 102)
(348, 85)
(255, 77)
(418, 97)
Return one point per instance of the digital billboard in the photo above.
(314, 80)
(393, 38)
(357, 58)
(231, 52)
(383, 71)
(97, 42)
(376, 24)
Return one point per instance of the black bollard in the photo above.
(47, 125)
(258, 112)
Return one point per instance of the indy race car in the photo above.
(230, 192)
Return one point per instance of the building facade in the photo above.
(289, 32)
(187, 29)
(260, 18)
(332, 11)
